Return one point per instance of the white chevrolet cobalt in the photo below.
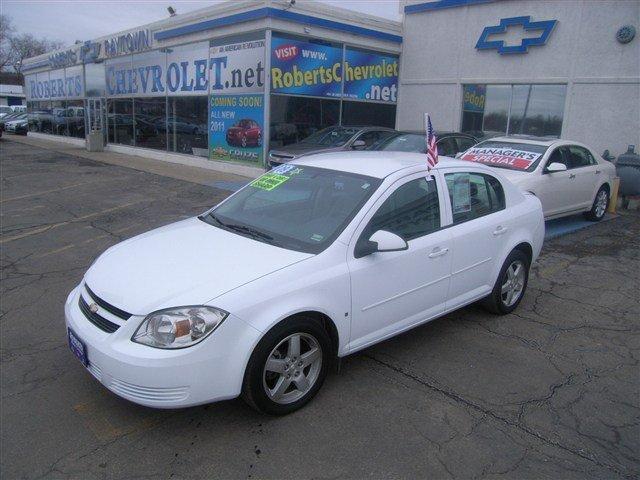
(314, 260)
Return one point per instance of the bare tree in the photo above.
(6, 32)
(26, 45)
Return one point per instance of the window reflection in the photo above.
(361, 113)
(513, 109)
(187, 125)
(120, 121)
(295, 118)
(150, 123)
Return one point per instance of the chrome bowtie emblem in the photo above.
(93, 308)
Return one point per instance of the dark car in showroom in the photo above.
(449, 143)
(331, 139)
(245, 133)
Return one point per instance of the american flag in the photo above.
(432, 148)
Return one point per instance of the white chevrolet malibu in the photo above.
(567, 177)
(313, 261)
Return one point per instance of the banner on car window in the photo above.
(370, 76)
(517, 159)
(236, 127)
(305, 68)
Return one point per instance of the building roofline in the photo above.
(441, 4)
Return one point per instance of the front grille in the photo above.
(100, 322)
(154, 394)
(107, 306)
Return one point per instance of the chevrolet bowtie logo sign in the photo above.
(535, 34)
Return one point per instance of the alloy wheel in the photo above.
(513, 283)
(601, 203)
(292, 368)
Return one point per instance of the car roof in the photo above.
(530, 139)
(372, 163)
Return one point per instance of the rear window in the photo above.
(513, 156)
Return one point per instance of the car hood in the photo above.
(185, 263)
(298, 149)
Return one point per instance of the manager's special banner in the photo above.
(304, 68)
(370, 76)
(236, 127)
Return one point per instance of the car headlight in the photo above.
(178, 327)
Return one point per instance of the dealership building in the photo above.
(219, 87)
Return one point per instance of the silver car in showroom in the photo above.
(331, 139)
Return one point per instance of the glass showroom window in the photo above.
(150, 122)
(187, 125)
(295, 118)
(513, 109)
(39, 117)
(59, 117)
(94, 79)
(120, 120)
(187, 101)
(75, 118)
(368, 113)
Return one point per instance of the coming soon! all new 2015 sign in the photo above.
(306, 68)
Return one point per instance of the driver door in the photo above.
(558, 192)
(393, 291)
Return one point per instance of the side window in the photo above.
(369, 137)
(557, 157)
(410, 212)
(578, 157)
(473, 195)
(447, 147)
(464, 143)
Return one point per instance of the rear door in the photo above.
(479, 219)
(584, 167)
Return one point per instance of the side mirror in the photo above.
(358, 145)
(381, 241)
(556, 167)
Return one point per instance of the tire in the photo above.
(498, 302)
(600, 205)
(275, 346)
(243, 141)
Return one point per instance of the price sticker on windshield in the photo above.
(269, 181)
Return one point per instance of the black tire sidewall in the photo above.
(253, 390)
(496, 295)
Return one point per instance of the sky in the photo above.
(68, 21)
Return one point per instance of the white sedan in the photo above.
(314, 260)
(567, 177)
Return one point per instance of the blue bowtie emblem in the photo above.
(543, 28)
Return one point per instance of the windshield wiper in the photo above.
(238, 228)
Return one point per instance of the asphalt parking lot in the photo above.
(551, 391)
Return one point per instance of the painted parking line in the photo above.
(46, 228)
(85, 242)
(46, 192)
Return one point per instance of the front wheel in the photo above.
(287, 367)
(510, 285)
(599, 207)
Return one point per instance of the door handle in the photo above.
(438, 252)
(500, 230)
(572, 176)
(597, 172)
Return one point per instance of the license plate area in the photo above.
(78, 347)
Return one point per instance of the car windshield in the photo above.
(403, 142)
(523, 157)
(295, 207)
(331, 137)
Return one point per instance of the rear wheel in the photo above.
(510, 285)
(600, 204)
(287, 367)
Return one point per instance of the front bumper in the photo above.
(207, 372)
